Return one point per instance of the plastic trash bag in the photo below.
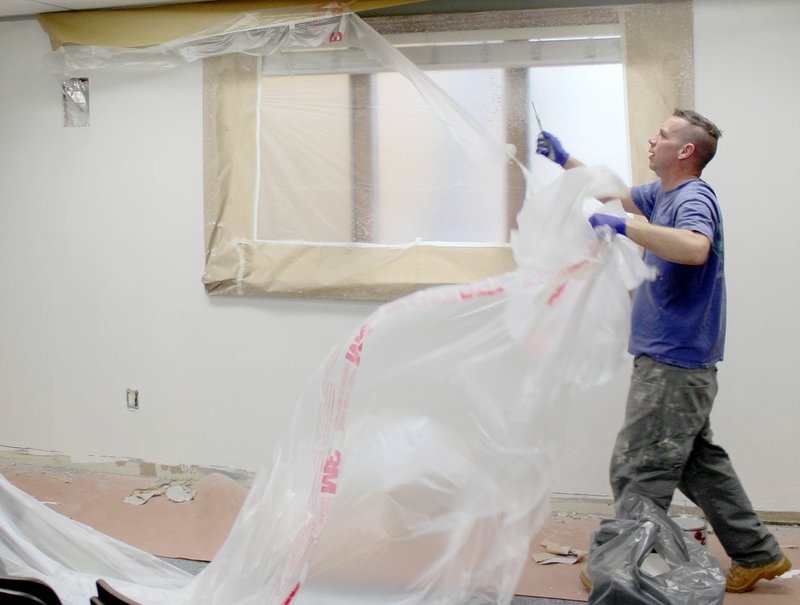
(644, 558)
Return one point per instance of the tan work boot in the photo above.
(587, 583)
(743, 579)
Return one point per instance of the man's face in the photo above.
(667, 144)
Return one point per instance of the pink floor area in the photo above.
(186, 530)
(196, 529)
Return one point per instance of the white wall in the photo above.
(101, 252)
(747, 54)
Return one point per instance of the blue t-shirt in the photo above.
(679, 318)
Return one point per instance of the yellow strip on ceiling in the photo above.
(137, 27)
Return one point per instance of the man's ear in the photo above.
(686, 151)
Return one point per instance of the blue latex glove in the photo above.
(617, 223)
(550, 147)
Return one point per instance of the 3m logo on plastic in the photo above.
(556, 295)
(353, 354)
(292, 594)
(331, 473)
(470, 294)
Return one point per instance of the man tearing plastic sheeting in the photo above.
(677, 338)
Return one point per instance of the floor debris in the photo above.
(176, 491)
(556, 553)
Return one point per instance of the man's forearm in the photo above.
(675, 245)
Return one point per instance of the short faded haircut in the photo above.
(705, 141)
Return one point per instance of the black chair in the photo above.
(15, 597)
(108, 596)
(35, 591)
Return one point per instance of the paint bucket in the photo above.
(694, 528)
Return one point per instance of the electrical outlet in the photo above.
(133, 399)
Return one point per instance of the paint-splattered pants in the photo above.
(666, 443)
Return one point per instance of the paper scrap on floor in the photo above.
(175, 491)
(556, 553)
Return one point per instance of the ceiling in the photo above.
(10, 9)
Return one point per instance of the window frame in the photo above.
(656, 58)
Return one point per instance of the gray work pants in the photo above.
(666, 443)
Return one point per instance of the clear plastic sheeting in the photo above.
(36, 541)
(329, 184)
(255, 32)
(297, 200)
(418, 463)
(417, 466)
(358, 145)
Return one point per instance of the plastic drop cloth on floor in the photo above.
(418, 463)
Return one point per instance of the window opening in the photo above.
(351, 154)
